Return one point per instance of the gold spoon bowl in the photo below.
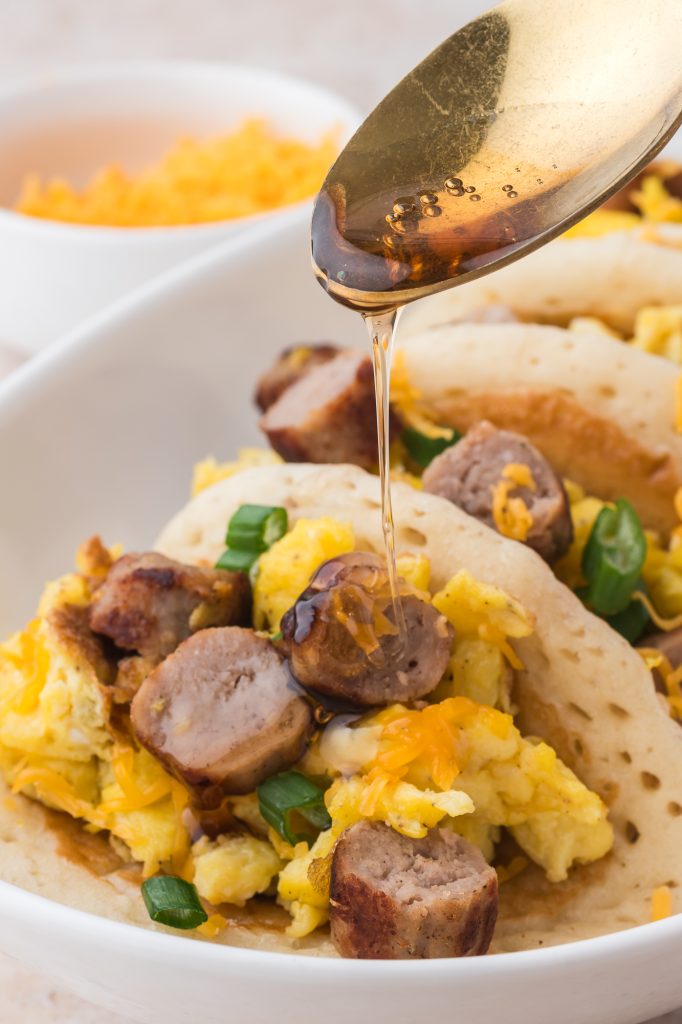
(513, 129)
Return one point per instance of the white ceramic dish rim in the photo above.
(347, 116)
(64, 920)
(643, 940)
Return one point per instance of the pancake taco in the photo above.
(264, 757)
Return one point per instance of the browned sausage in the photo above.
(467, 474)
(292, 364)
(342, 641)
(394, 898)
(149, 603)
(221, 713)
(327, 416)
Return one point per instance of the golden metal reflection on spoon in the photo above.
(513, 129)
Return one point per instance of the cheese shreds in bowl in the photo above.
(247, 172)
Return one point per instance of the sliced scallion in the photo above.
(256, 527)
(422, 449)
(251, 531)
(237, 561)
(173, 902)
(633, 620)
(613, 558)
(294, 806)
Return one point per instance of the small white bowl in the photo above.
(72, 123)
(99, 434)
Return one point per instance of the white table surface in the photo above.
(359, 48)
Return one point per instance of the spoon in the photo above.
(513, 129)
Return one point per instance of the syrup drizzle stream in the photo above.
(381, 328)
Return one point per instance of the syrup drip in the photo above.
(381, 327)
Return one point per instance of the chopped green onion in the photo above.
(251, 531)
(173, 902)
(633, 620)
(423, 449)
(237, 561)
(294, 806)
(613, 558)
(256, 527)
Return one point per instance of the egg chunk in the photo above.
(56, 740)
(285, 570)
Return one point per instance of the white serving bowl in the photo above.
(72, 123)
(99, 434)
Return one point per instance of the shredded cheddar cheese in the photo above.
(505, 872)
(482, 610)
(211, 928)
(672, 678)
(661, 903)
(511, 515)
(238, 175)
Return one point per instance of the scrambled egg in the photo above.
(232, 869)
(51, 703)
(415, 570)
(477, 670)
(458, 763)
(462, 765)
(56, 743)
(209, 471)
(652, 199)
(285, 570)
(303, 890)
(657, 329)
(480, 609)
(382, 797)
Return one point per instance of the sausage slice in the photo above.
(342, 640)
(328, 415)
(394, 898)
(149, 603)
(221, 713)
(292, 364)
(468, 473)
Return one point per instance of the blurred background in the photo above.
(359, 48)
